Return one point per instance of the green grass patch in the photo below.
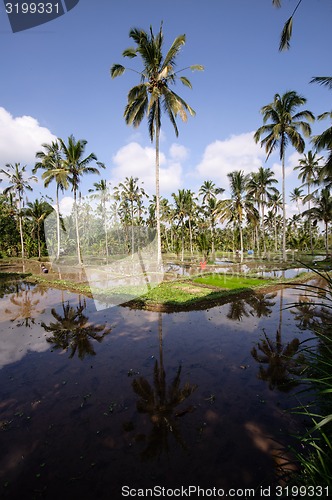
(231, 282)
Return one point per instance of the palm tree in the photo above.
(296, 196)
(37, 212)
(181, 202)
(153, 93)
(55, 170)
(282, 129)
(322, 211)
(309, 169)
(131, 194)
(260, 188)
(238, 204)
(18, 185)
(209, 192)
(102, 192)
(275, 203)
(77, 166)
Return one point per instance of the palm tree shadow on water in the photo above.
(160, 402)
(72, 330)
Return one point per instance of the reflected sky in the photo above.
(180, 389)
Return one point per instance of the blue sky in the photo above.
(55, 81)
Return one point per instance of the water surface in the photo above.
(91, 400)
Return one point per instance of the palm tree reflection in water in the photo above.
(160, 403)
(72, 330)
(282, 365)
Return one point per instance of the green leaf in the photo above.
(185, 81)
(286, 35)
(117, 70)
(197, 67)
(130, 52)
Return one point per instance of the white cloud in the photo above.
(21, 138)
(178, 152)
(238, 152)
(138, 161)
(66, 205)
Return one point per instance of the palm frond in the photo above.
(185, 81)
(286, 35)
(173, 51)
(322, 80)
(117, 70)
(129, 52)
(196, 67)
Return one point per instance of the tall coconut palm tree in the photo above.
(18, 184)
(260, 187)
(153, 94)
(37, 211)
(235, 208)
(131, 193)
(283, 129)
(308, 174)
(209, 192)
(78, 166)
(181, 201)
(102, 192)
(275, 203)
(296, 196)
(55, 170)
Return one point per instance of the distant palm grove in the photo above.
(193, 225)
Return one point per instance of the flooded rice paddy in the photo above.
(91, 401)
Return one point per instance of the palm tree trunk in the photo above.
(105, 230)
(284, 258)
(20, 227)
(190, 238)
(132, 230)
(326, 239)
(38, 238)
(263, 228)
(241, 241)
(310, 228)
(58, 222)
(275, 233)
(78, 244)
(159, 261)
(212, 240)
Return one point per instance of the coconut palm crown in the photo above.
(153, 94)
(282, 129)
